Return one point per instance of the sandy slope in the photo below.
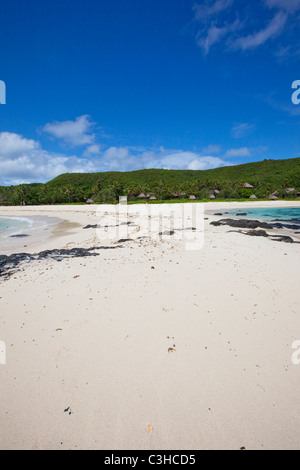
(93, 336)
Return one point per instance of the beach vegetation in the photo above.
(238, 182)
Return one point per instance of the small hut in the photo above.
(192, 197)
(152, 198)
(178, 195)
(212, 196)
(253, 196)
(273, 197)
(248, 186)
(142, 196)
(89, 201)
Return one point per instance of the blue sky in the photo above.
(100, 85)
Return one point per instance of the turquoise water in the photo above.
(13, 226)
(291, 214)
(16, 233)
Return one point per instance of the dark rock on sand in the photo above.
(244, 223)
(241, 213)
(90, 226)
(256, 233)
(263, 233)
(282, 238)
(10, 264)
(292, 226)
(288, 226)
(21, 235)
(167, 232)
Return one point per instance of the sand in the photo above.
(150, 345)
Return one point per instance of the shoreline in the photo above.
(41, 230)
(63, 221)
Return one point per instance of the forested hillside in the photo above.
(267, 177)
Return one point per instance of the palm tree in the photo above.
(97, 188)
(20, 193)
(70, 191)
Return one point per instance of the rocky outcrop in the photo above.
(20, 235)
(252, 225)
(263, 233)
(10, 264)
(288, 226)
(90, 226)
(244, 223)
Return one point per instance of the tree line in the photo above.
(281, 177)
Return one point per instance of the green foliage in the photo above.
(106, 196)
(266, 176)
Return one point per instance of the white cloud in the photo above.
(288, 5)
(273, 29)
(91, 150)
(12, 145)
(74, 133)
(24, 160)
(240, 152)
(242, 130)
(175, 160)
(212, 149)
(120, 159)
(207, 163)
(215, 34)
(216, 24)
(208, 9)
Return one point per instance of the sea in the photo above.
(272, 214)
(14, 226)
(19, 232)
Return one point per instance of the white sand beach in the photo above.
(149, 345)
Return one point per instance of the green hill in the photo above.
(274, 171)
(265, 176)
